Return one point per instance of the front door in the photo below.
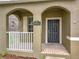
(53, 30)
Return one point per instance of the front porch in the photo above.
(47, 38)
(54, 49)
(23, 42)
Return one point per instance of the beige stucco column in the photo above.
(37, 34)
(25, 24)
(3, 38)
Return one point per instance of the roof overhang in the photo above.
(26, 1)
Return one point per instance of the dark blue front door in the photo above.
(53, 31)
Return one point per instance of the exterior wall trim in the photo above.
(73, 38)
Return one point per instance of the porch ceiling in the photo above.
(54, 48)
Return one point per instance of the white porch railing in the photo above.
(21, 41)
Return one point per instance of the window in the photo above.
(30, 25)
(13, 23)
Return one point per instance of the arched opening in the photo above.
(20, 29)
(19, 20)
(56, 26)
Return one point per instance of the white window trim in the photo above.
(60, 19)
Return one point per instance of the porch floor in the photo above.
(54, 48)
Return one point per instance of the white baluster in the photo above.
(28, 41)
(15, 40)
(9, 40)
(14, 43)
(20, 40)
(24, 40)
(31, 41)
(12, 39)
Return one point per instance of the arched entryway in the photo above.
(18, 20)
(56, 26)
(20, 29)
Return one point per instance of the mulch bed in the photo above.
(17, 57)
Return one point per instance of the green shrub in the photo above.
(3, 53)
(42, 57)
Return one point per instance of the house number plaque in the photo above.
(36, 23)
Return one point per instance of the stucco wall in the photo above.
(74, 50)
(37, 9)
(66, 29)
